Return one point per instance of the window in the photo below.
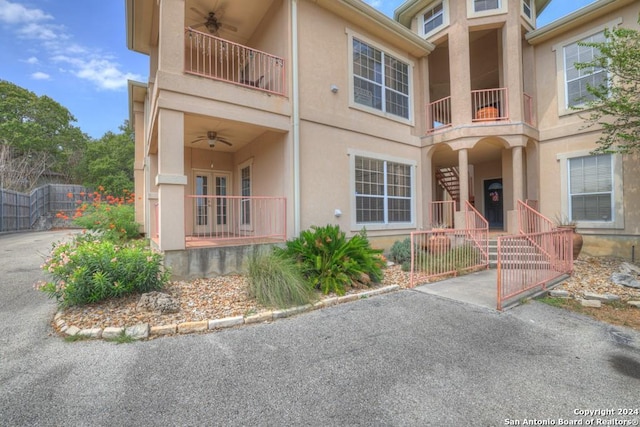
(591, 188)
(577, 81)
(380, 81)
(433, 18)
(526, 8)
(482, 5)
(245, 191)
(383, 191)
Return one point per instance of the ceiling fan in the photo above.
(212, 21)
(212, 139)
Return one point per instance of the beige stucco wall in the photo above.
(330, 126)
(563, 134)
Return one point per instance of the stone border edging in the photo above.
(144, 331)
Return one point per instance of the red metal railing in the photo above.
(530, 261)
(449, 252)
(530, 220)
(216, 58)
(439, 115)
(441, 214)
(539, 254)
(489, 105)
(529, 116)
(217, 218)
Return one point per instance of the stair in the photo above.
(450, 181)
(516, 256)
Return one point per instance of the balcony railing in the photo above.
(439, 115)
(235, 218)
(489, 105)
(219, 59)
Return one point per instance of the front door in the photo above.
(493, 203)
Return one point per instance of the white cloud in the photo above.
(15, 13)
(374, 3)
(40, 76)
(55, 44)
(103, 72)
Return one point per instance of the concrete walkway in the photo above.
(478, 288)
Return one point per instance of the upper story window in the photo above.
(577, 81)
(526, 8)
(483, 5)
(433, 18)
(479, 8)
(380, 81)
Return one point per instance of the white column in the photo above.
(463, 166)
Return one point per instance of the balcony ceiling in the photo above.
(238, 134)
(245, 15)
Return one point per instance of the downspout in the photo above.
(296, 117)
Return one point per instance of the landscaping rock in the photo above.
(111, 332)
(557, 293)
(227, 322)
(258, 318)
(635, 304)
(91, 333)
(163, 329)
(601, 297)
(138, 332)
(625, 279)
(628, 268)
(591, 303)
(72, 330)
(189, 327)
(158, 302)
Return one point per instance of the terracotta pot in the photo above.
(577, 240)
(438, 244)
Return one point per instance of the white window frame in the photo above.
(385, 52)
(248, 225)
(531, 6)
(445, 18)
(471, 9)
(561, 79)
(617, 197)
(385, 225)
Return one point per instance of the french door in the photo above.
(211, 213)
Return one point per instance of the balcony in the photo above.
(234, 220)
(215, 58)
(487, 106)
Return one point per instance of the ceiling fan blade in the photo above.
(199, 13)
(229, 27)
(224, 141)
(193, 27)
(202, 138)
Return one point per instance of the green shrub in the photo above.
(114, 222)
(88, 270)
(400, 251)
(276, 281)
(459, 259)
(331, 262)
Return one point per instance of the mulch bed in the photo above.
(227, 296)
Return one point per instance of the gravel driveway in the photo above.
(405, 358)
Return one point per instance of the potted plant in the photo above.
(438, 242)
(564, 222)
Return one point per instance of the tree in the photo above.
(108, 162)
(616, 105)
(36, 138)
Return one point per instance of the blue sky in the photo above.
(76, 53)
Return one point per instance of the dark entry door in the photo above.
(493, 202)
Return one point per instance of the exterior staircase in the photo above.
(517, 255)
(450, 180)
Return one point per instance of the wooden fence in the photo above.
(21, 211)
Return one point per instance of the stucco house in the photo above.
(263, 118)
